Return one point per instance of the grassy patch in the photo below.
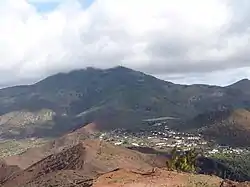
(202, 181)
(14, 147)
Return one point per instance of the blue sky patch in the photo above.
(45, 7)
(50, 6)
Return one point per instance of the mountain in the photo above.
(111, 98)
(33, 155)
(243, 85)
(86, 159)
(228, 127)
(62, 102)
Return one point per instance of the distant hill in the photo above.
(228, 127)
(243, 85)
(112, 98)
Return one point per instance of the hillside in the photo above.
(76, 160)
(33, 155)
(99, 164)
(7, 171)
(90, 158)
(116, 97)
(243, 85)
(228, 127)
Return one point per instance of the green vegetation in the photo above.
(201, 182)
(183, 160)
(238, 163)
(13, 147)
(118, 98)
(231, 166)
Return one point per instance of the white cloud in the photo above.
(45, 1)
(160, 37)
(220, 77)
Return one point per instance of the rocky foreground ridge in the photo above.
(96, 163)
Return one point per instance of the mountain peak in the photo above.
(243, 85)
(120, 69)
(242, 81)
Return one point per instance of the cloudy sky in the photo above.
(182, 41)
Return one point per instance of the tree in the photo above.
(183, 160)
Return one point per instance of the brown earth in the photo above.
(156, 178)
(91, 158)
(63, 178)
(91, 128)
(228, 183)
(33, 155)
(99, 164)
(161, 178)
(129, 178)
(75, 161)
(7, 170)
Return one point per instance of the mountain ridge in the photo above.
(227, 127)
(113, 98)
(97, 163)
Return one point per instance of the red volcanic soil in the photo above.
(161, 178)
(88, 159)
(91, 128)
(73, 160)
(100, 164)
(7, 170)
(33, 155)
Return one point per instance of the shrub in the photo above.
(183, 160)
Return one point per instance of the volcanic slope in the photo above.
(89, 158)
(99, 164)
(66, 141)
(7, 170)
(229, 127)
(116, 97)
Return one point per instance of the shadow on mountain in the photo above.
(205, 165)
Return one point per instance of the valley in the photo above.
(161, 138)
(13, 147)
(73, 130)
(155, 135)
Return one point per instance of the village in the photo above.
(160, 137)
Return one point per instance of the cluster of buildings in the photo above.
(227, 149)
(160, 137)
